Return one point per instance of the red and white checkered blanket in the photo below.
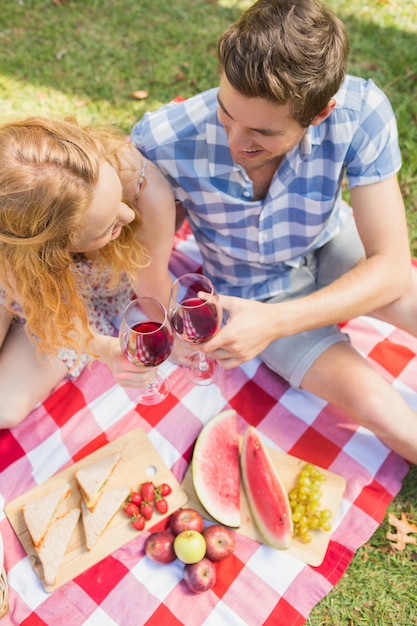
(257, 585)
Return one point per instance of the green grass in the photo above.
(377, 588)
(84, 58)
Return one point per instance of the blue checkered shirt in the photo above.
(249, 246)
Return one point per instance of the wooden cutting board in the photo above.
(140, 462)
(288, 467)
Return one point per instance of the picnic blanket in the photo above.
(257, 585)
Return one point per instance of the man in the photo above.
(258, 167)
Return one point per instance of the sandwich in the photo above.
(92, 478)
(95, 522)
(55, 544)
(40, 513)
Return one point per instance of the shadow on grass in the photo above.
(106, 50)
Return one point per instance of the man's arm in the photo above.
(385, 273)
(382, 277)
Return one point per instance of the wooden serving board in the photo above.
(288, 467)
(140, 462)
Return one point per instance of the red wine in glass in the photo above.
(195, 320)
(153, 344)
(146, 339)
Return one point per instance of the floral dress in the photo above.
(105, 307)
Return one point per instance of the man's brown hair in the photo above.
(286, 51)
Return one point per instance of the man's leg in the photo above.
(403, 312)
(323, 362)
(341, 376)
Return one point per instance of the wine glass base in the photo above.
(198, 375)
(155, 392)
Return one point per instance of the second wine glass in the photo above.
(146, 339)
(195, 320)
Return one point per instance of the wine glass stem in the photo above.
(203, 366)
(153, 385)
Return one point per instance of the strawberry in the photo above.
(136, 498)
(147, 491)
(146, 510)
(164, 489)
(131, 509)
(161, 505)
(138, 522)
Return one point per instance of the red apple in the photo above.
(200, 576)
(186, 519)
(220, 542)
(159, 546)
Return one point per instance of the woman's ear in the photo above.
(320, 117)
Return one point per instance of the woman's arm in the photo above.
(5, 322)
(156, 204)
(157, 208)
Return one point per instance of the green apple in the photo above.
(190, 546)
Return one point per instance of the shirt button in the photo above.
(246, 194)
(263, 237)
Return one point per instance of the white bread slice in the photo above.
(41, 512)
(92, 478)
(95, 522)
(55, 544)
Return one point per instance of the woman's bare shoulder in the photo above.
(154, 188)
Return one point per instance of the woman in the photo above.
(85, 222)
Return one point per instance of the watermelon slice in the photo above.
(267, 497)
(215, 468)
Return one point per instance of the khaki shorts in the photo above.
(291, 357)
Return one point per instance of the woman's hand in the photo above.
(126, 373)
(182, 351)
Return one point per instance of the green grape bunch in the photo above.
(305, 499)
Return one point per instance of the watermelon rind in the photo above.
(265, 492)
(215, 468)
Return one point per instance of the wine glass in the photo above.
(195, 320)
(146, 338)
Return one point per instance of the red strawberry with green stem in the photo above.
(138, 522)
(131, 509)
(136, 498)
(164, 489)
(146, 510)
(147, 491)
(161, 505)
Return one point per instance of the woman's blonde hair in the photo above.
(286, 51)
(48, 176)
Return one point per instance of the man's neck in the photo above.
(262, 177)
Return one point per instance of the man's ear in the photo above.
(320, 117)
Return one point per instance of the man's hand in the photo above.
(249, 330)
